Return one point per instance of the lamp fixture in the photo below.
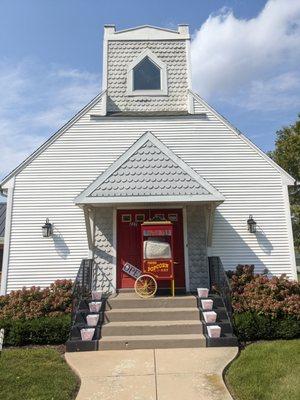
(251, 224)
(47, 229)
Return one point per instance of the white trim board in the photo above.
(6, 248)
(84, 197)
(147, 32)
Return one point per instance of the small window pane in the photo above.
(140, 217)
(146, 76)
(173, 217)
(159, 217)
(126, 218)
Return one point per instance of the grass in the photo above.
(266, 371)
(36, 374)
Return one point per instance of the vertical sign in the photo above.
(1, 338)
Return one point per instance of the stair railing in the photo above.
(219, 283)
(82, 286)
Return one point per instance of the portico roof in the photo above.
(149, 172)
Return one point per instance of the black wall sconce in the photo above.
(47, 229)
(251, 224)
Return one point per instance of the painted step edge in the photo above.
(152, 342)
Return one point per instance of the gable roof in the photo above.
(52, 138)
(149, 171)
(288, 179)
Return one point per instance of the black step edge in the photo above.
(80, 345)
(225, 340)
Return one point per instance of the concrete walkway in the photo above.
(163, 374)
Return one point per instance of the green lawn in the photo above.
(266, 371)
(36, 374)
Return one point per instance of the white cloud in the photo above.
(255, 60)
(35, 101)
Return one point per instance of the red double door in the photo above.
(129, 243)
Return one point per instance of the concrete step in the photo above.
(152, 342)
(152, 314)
(152, 328)
(129, 300)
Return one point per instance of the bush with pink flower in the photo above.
(264, 307)
(34, 302)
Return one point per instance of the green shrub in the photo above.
(36, 302)
(250, 326)
(43, 330)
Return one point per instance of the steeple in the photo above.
(146, 69)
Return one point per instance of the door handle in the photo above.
(175, 262)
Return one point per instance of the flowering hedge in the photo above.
(36, 302)
(273, 296)
(264, 307)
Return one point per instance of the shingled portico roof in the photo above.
(149, 172)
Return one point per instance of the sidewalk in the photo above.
(163, 374)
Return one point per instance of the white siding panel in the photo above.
(48, 185)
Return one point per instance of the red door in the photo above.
(129, 246)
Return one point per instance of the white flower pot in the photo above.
(96, 295)
(87, 333)
(203, 292)
(214, 331)
(210, 317)
(95, 306)
(207, 304)
(92, 319)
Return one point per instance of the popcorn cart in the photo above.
(157, 257)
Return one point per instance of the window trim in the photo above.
(163, 76)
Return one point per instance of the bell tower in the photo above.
(146, 70)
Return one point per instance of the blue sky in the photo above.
(245, 55)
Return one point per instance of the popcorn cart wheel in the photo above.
(145, 286)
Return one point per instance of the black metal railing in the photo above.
(219, 283)
(82, 286)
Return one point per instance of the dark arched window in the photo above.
(146, 75)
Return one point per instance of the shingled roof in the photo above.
(2, 218)
(149, 171)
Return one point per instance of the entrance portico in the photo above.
(148, 180)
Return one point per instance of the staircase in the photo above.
(160, 323)
(129, 322)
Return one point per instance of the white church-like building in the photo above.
(147, 147)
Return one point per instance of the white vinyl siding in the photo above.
(48, 185)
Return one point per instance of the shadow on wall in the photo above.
(233, 249)
(102, 277)
(263, 241)
(60, 245)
